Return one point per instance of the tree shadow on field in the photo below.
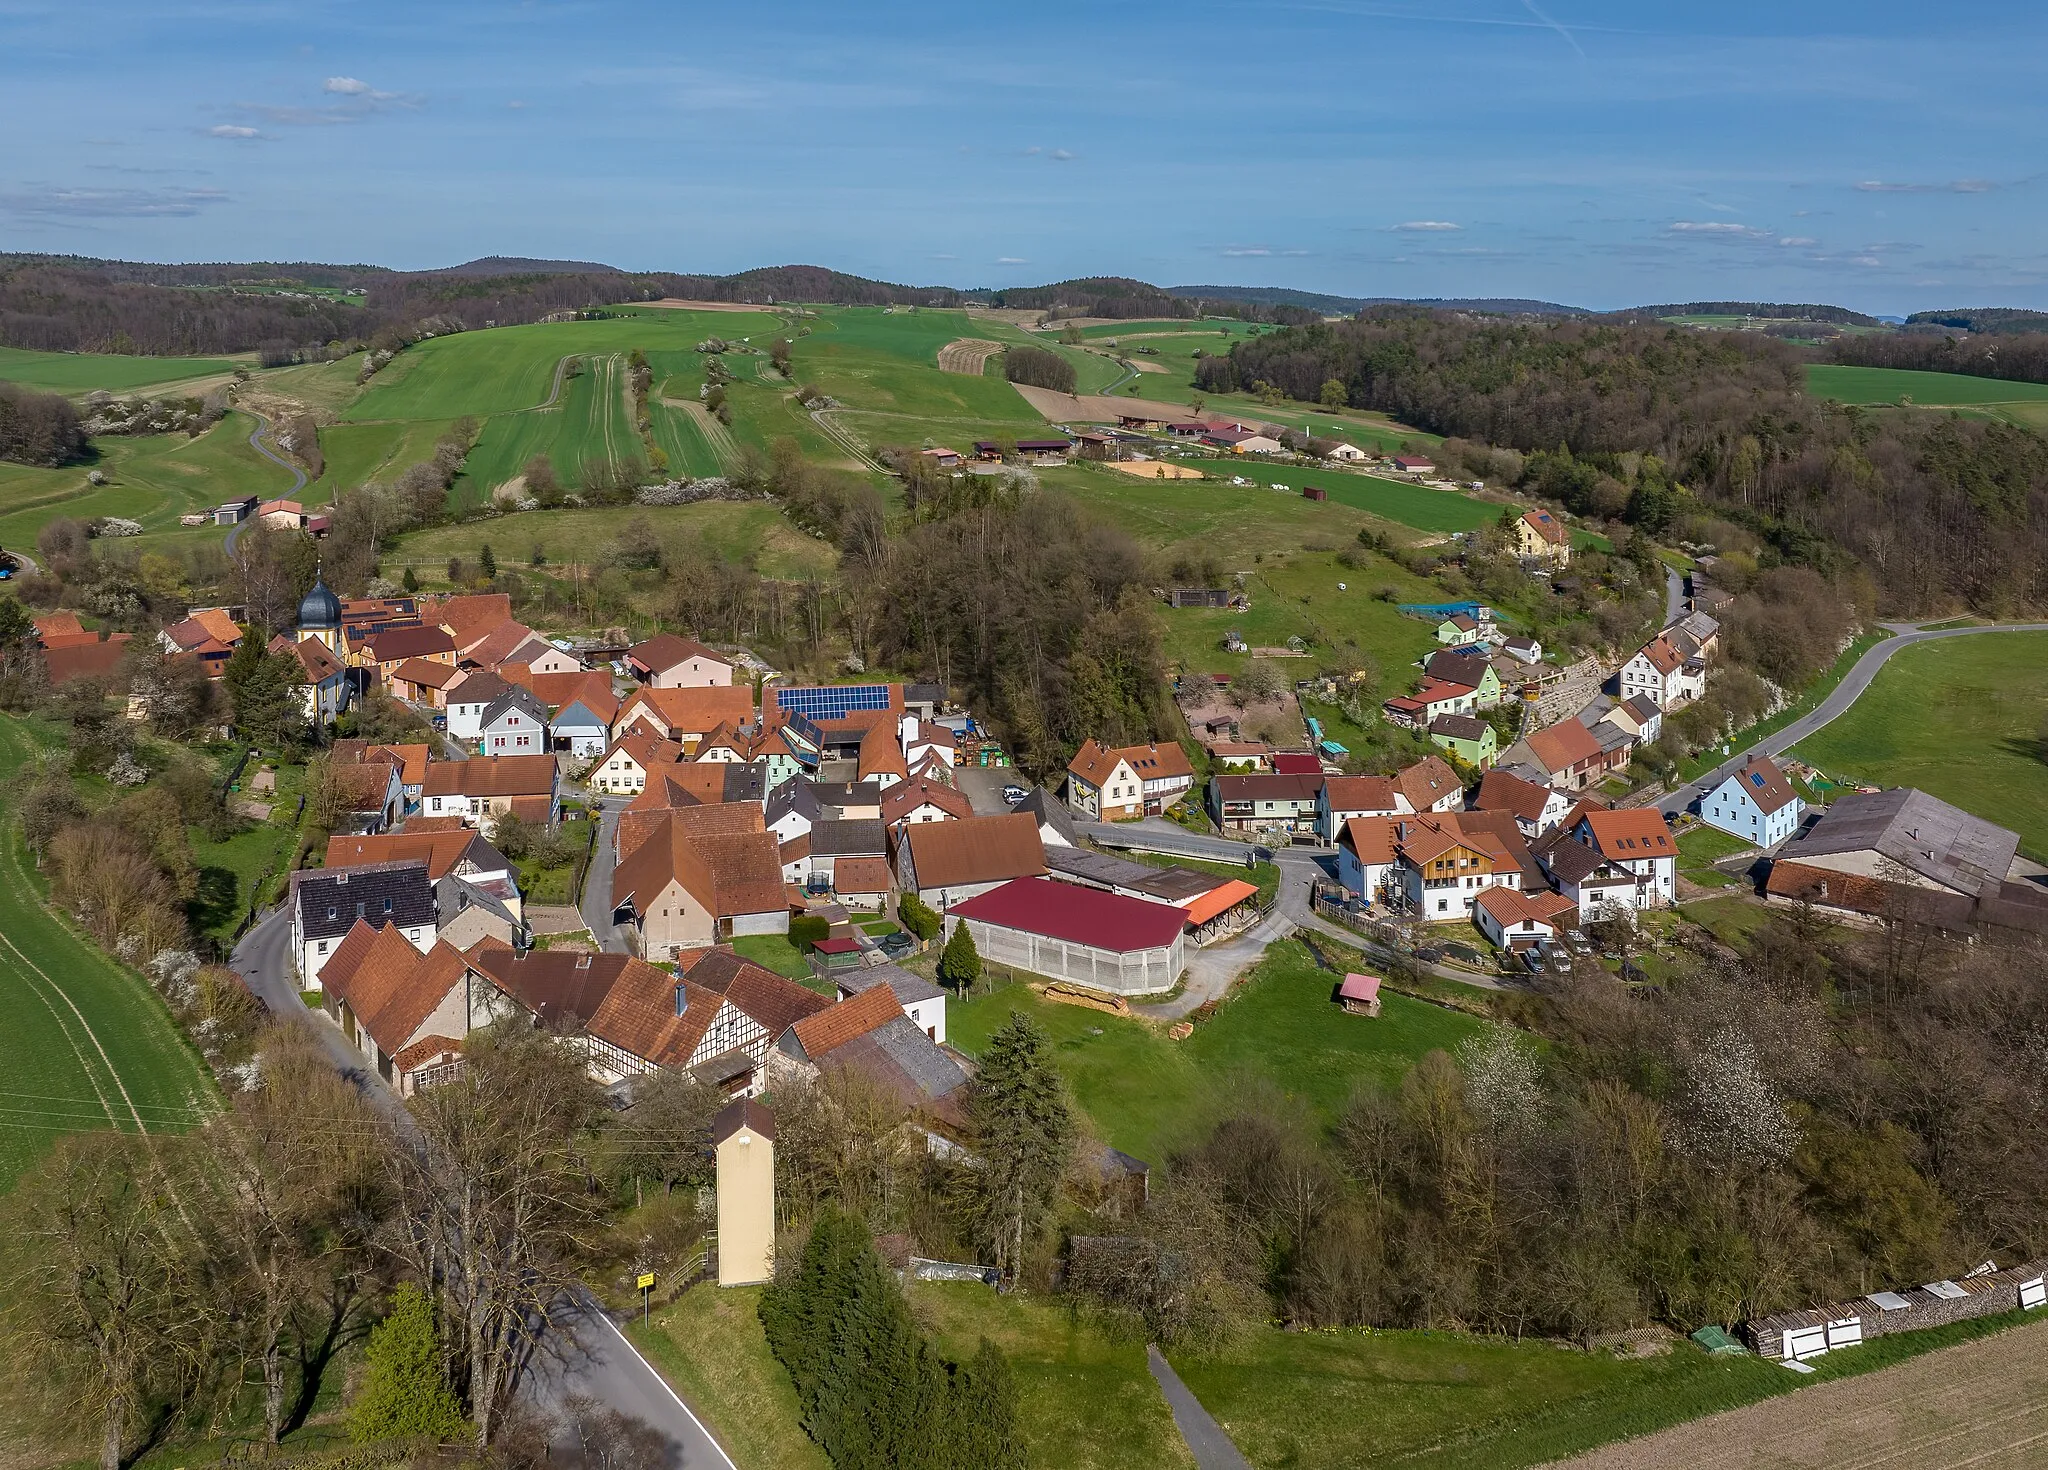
(218, 901)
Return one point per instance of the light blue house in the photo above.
(1756, 804)
(579, 730)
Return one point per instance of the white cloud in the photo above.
(1798, 240)
(1725, 229)
(1060, 155)
(1424, 226)
(1952, 186)
(1011, 260)
(515, 104)
(347, 87)
(232, 130)
(49, 201)
(1242, 250)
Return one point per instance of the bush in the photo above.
(807, 931)
(919, 917)
(960, 964)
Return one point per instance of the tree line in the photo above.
(38, 428)
(1941, 511)
(2009, 351)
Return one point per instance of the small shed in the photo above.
(1314, 492)
(1360, 994)
(837, 954)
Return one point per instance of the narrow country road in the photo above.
(591, 1357)
(598, 905)
(1674, 596)
(1840, 698)
(262, 430)
(1206, 1441)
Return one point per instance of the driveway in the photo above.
(1840, 698)
(263, 428)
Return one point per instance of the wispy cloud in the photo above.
(1237, 251)
(1060, 155)
(357, 100)
(1798, 240)
(1569, 39)
(1011, 260)
(1724, 229)
(48, 201)
(1953, 186)
(1424, 227)
(233, 130)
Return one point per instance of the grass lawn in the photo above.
(1962, 720)
(1700, 847)
(710, 1345)
(87, 1043)
(2023, 403)
(752, 532)
(152, 479)
(1278, 1029)
(1084, 1400)
(1819, 689)
(775, 952)
(359, 454)
(1730, 919)
(1438, 1401)
(1297, 596)
(82, 372)
(229, 871)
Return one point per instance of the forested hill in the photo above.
(1933, 507)
(1993, 319)
(1804, 311)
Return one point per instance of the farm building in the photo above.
(1314, 492)
(1360, 994)
(1414, 464)
(1125, 946)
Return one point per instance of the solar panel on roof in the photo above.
(833, 701)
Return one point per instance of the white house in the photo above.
(1637, 842)
(1344, 797)
(1660, 671)
(921, 1000)
(1756, 804)
(468, 698)
(1512, 919)
(327, 904)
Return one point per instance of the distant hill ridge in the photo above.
(1346, 305)
(519, 265)
(1777, 310)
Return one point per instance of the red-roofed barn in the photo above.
(1105, 941)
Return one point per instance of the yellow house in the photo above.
(1539, 533)
(743, 1136)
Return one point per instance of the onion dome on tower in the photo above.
(320, 613)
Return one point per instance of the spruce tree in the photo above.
(487, 563)
(404, 1395)
(960, 962)
(1024, 1132)
(983, 1418)
(411, 580)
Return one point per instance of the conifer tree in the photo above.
(960, 961)
(1024, 1132)
(404, 1394)
(983, 1419)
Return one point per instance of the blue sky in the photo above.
(1881, 155)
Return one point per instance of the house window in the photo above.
(323, 947)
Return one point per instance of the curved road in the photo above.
(263, 427)
(1840, 698)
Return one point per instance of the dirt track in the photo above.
(1093, 408)
(968, 356)
(1983, 1404)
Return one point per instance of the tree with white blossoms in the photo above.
(1503, 1081)
(1727, 1110)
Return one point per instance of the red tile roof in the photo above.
(492, 775)
(975, 850)
(833, 1027)
(1627, 833)
(664, 651)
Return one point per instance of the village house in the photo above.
(1662, 673)
(1633, 859)
(1259, 800)
(1513, 920)
(1471, 740)
(1431, 865)
(1906, 856)
(1434, 699)
(366, 797)
(406, 1011)
(1756, 803)
(1123, 784)
(467, 697)
(687, 714)
(1540, 535)
(1469, 669)
(699, 875)
(516, 723)
(1461, 629)
(1340, 798)
(410, 761)
(1430, 785)
(667, 661)
(1348, 453)
(209, 635)
(328, 688)
(923, 801)
(325, 906)
(812, 859)
(1536, 809)
(1239, 755)
(1566, 755)
(945, 863)
(387, 650)
(282, 515)
(624, 768)
(485, 787)
(870, 1034)
(424, 681)
(1524, 649)
(922, 1001)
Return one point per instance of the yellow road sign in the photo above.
(646, 1280)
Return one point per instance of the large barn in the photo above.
(1102, 940)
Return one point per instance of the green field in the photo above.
(1279, 1030)
(87, 1043)
(2020, 403)
(753, 532)
(152, 479)
(82, 372)
(1960, 718)
(359, 454)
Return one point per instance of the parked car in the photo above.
(1578, 941)
(1429, 954)
(1533, 961)
(1014, 794)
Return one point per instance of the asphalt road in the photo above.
(597, 906)
(591, 1357)
(263, 427)
(1206, 1441)
(1674, 597)
(1830, 709)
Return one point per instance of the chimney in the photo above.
(682, 999)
